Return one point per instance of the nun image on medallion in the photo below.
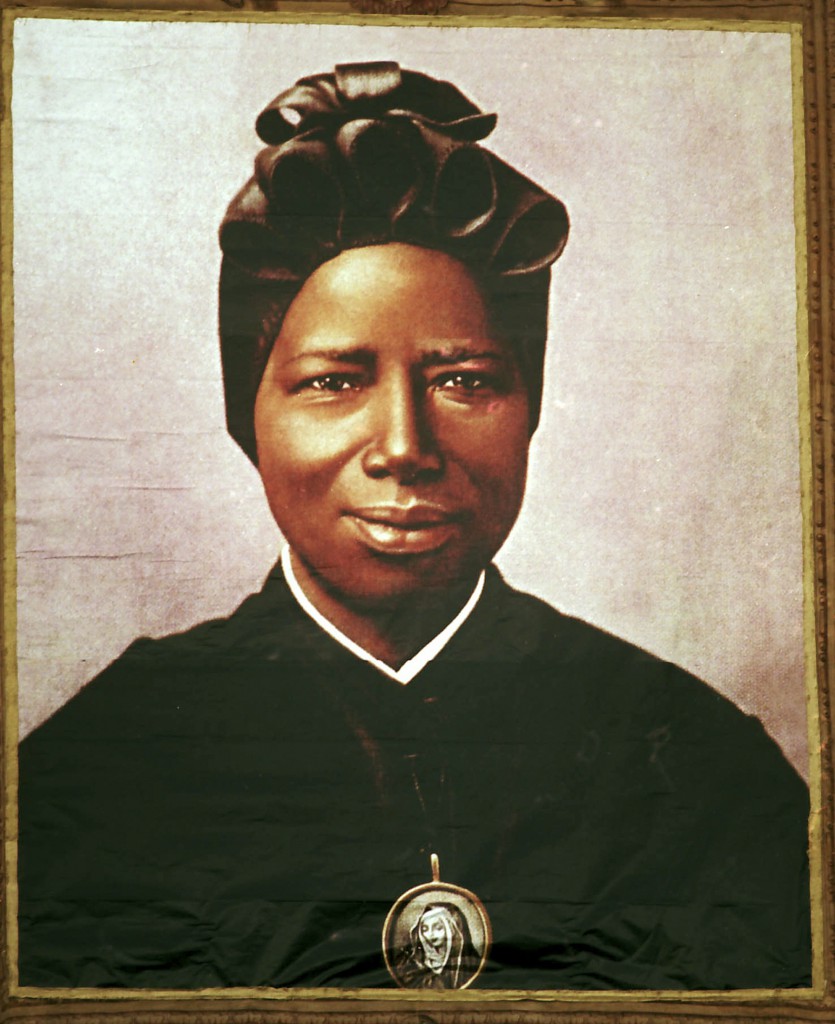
(441, 953)
(436, 936)
(250, 802)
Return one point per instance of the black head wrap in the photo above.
(367, 155)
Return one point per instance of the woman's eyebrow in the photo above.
(462, 354)
(356, 356)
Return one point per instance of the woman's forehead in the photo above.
(436, 914)
(404, 280)
(373, 297)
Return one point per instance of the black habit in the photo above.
(240, 805)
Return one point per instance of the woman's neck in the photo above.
(394, 631)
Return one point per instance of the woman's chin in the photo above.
(395, 580)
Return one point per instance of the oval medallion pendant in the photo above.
(436, 936)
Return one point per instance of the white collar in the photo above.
(409, 669)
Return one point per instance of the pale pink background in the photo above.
(664, 498)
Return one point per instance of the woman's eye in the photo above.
(466, 382)
(332, 383)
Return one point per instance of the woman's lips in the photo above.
(404, 529)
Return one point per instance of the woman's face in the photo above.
(433, 933)
(392, 427)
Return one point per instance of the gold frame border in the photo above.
(812, 26)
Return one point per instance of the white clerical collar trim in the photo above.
(409, 669)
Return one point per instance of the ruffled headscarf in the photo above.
(368, 155)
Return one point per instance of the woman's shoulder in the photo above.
(531, 629)
(628, 692)
(156, 681)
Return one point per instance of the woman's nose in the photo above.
(403, 444)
